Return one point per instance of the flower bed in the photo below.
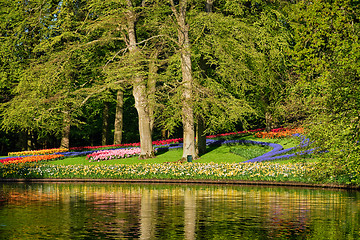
(215, 171)
(9, 159)
(277, 154)
(112, 154)
(234, 133)
(31, 159)
(274, 154)
(38, 152)
(279, 133)
(156, 143)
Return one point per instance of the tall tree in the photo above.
(219, 57)
(273, 43)
(12, 62)
(54, 71)
(105, 124)
(20, 32)
(179, 11)
(139, 87)
(119, 21)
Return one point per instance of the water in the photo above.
(157, 211)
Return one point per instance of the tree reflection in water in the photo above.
(156, 211)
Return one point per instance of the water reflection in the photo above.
(131, 211)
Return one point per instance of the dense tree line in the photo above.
(90, 72)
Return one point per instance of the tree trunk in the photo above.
(140, 92)
(153, 68)
(268, 121)
(105, 124)
(29, 142)
(118, 125)
(200, 136)
(189, 148)
(209, 6)
(65, 139)
(22, 140)
(147, 150)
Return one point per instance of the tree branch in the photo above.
(83, 23)
(173, 9)
(97, 92)
(100, 40)
(138, 43)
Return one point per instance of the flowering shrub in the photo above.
(112, 154)
(279, 133)
(38, 152)
(31, 159)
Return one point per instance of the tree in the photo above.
(118, 21)
(200, 126)
(273, 43)
(326, 56)
(139, 89)
(221, 71)
(21, 24)
(44, 96)
(11, 60)
(187, 79)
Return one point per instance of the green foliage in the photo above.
(325, 33)
(336, 128)
(272, 40)
(326, 57)
(220, 70)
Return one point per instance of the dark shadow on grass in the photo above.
(210, 148)
(162, 150)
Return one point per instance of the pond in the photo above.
(174, 211)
